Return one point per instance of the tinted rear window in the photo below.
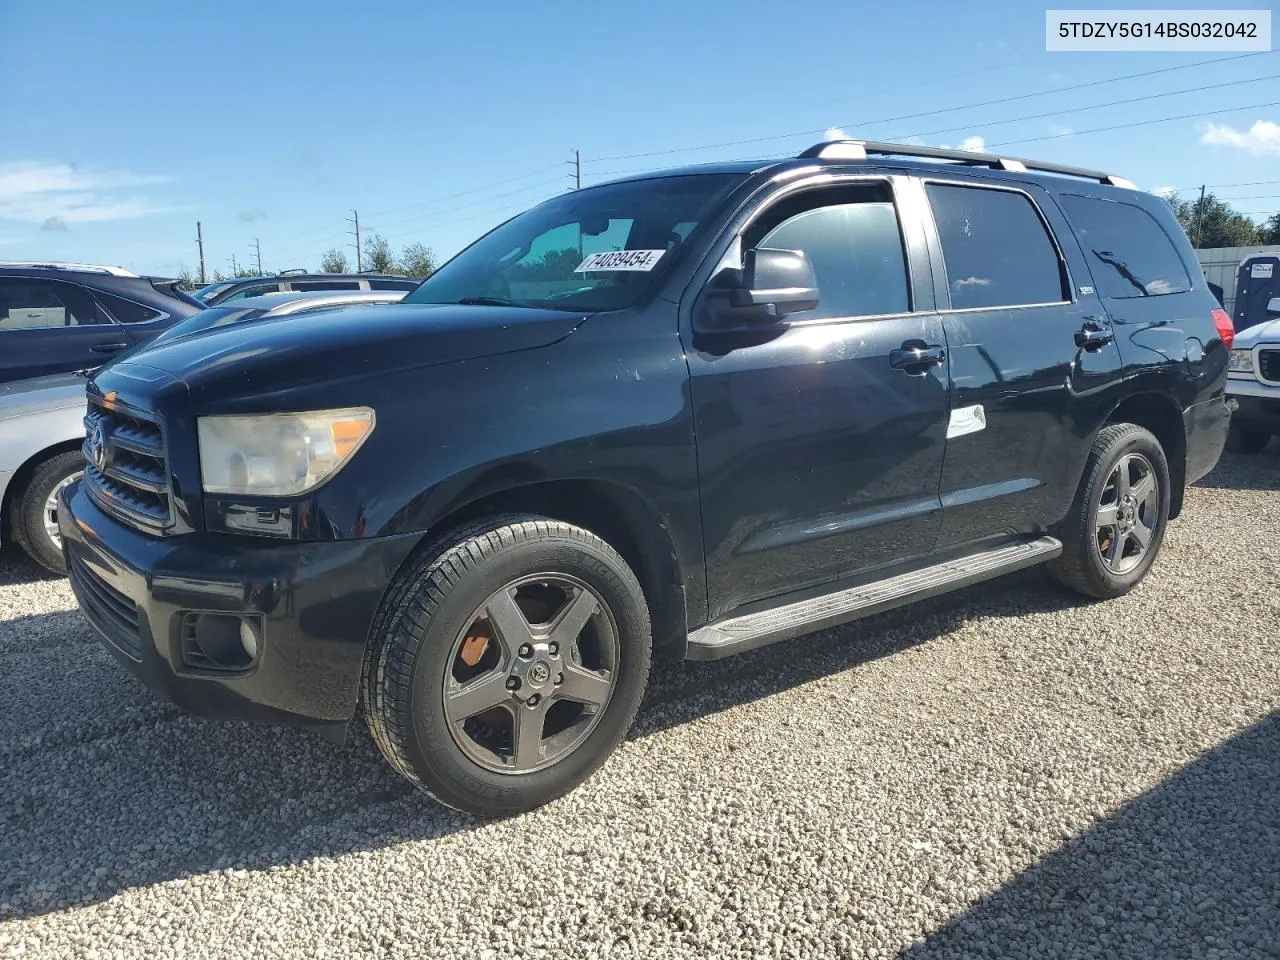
(997, 250)
(1129, 253)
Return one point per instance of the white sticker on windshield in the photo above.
(644, 260)
(1261, 271)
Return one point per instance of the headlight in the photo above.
(1241, 361)
(279, 454)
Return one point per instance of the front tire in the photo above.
(507, 663)
(33, 513)
(1116, 525)
(1248, 438)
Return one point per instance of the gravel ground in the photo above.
(1003, 772)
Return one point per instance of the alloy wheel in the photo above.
(51, 511)
(530, 675)
(1128, 512)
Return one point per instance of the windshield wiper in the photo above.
(487, 302)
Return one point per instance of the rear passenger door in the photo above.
(1026, 397)
(51, 326)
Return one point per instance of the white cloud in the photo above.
(1164, 191)
(835, 133)
(1262, 139)
(56, 193)
(969, 144)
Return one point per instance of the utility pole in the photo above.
(200, 244)
(577, 169)
(235, 271)
(257, 245)
(1199, 217)
(355, 218)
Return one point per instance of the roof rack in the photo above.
(861, 149)
(62, 265)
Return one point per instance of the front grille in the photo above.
(125, 470)
(106, 607)
(1269, 365)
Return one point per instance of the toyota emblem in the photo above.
(98, 446)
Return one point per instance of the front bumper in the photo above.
(1259, 403)
(315, 601)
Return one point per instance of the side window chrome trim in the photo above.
(1044, 222)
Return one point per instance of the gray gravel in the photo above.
(1003, 772)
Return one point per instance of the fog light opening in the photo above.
(220, 641)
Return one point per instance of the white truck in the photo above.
(1253, 382)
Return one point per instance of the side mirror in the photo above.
(1273, 306)
(775, 283)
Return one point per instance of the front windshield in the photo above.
(204, 293)
(594, 249)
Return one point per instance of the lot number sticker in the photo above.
(641, 260)
(1261, 271)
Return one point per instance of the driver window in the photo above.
(852, 237)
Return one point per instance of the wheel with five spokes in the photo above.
(507, 663)
(1116, 525)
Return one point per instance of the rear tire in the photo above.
(1248, 438)
(30, 511)
(507, 663)
(1116, 525)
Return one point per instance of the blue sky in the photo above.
(126, 123)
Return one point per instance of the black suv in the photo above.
(683, 414)
(57, 317)
(220, 291)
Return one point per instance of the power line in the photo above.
(463, 193)
(520, 206)
(1136, 123)
(1092, 106)
(288, 242)
(472, 203)
(928, 113)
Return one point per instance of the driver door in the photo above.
(820, 451)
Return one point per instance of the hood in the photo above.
(280, 352)
(21, 398)
(1268, 331)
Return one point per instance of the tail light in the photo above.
(1226, 329)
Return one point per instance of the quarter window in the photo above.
(1130, 255)
(855, 248)
(997, 250)
(126, 311)
(45, 305)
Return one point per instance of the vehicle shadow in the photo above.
(1202, 846)
(107, 788)
(17, 569)
(1259, 471)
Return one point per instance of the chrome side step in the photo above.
(736, 634)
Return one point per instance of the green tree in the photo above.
(417, 260)
(378, 256)
(1219, 225)
(1270, 231)
(334, 261)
